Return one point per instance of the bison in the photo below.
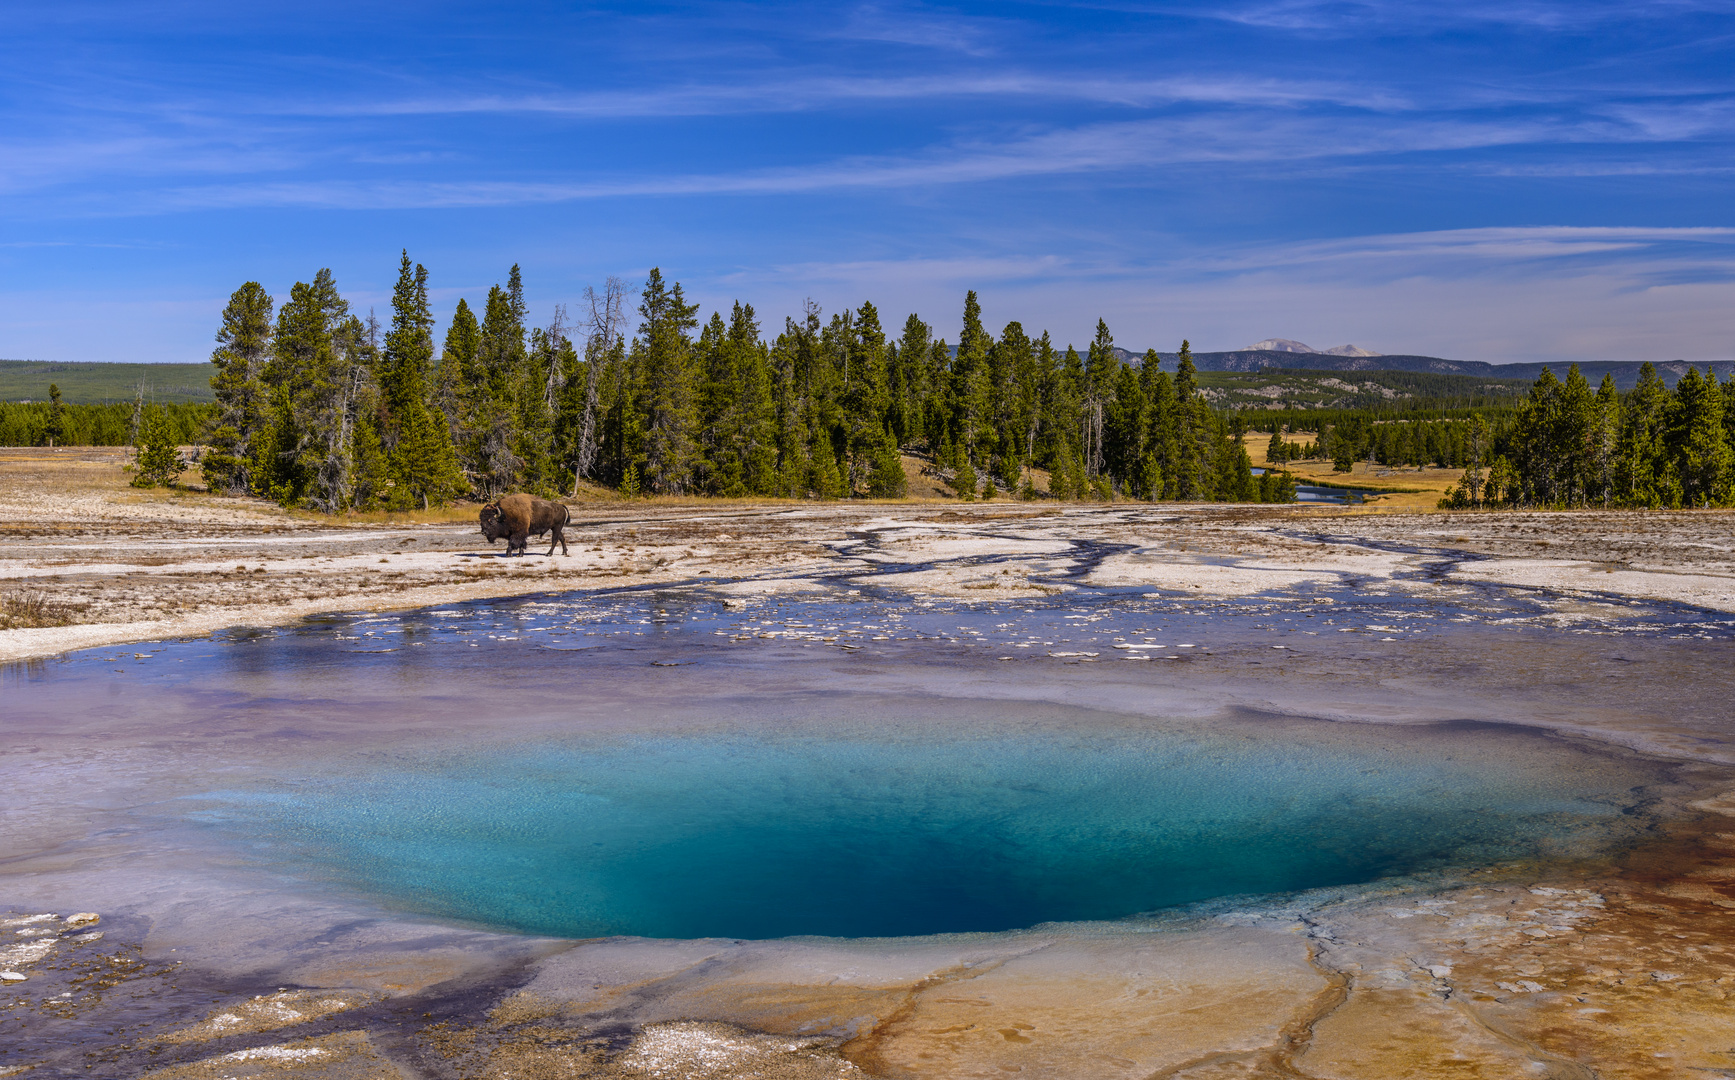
(518, 517)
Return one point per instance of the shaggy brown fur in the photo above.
(518, 517)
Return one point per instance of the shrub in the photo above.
(24, 610)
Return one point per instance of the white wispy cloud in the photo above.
(1106, 150)
(1442, 253)
(1418, 16)
(1548, 293)
(1457, 251)
(921, 27)
(815, 93)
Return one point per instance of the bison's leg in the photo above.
(558, 538)
(519, 540)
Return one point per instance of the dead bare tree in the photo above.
(555, 335)
(138, 415)
(607, 322)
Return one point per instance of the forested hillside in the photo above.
(1283, 388)
(100, 383)
(318, 408)
(1625, 372)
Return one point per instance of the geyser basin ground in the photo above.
(362, 801)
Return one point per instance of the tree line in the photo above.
(1562, 445)
(53, 423)
(1567, 445)
(1360, 437)
(319, 407)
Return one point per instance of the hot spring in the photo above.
(681, 768)
(879, 827)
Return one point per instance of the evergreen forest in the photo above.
(317, 407)
(53, 423)
(1568, 445)
(1563, 445)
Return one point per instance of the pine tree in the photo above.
(491, 440)
(1012, 402)
(912, 386)
(1101, 368)
(54, 430)
(887, 480)
(1190, 480)
(1729, 409)
(620, 440)
(158, 461)
(753, 430)
(420, 455)
(1572, 440)
(1639, 461)
(1504, 487)
(1472, 483)
(451, 395)
(1047, 427)
(823, 411)
(964, 481)
(243, 347)
(547, 362)
(333, 406)
(969, 403)
(1125, 431)
(736, 429)
(936, 405)
(824, 479)
(663, 354)
(1698, 441)
(862, 398)
(1601, 442)
(1540, 427)
(301, 379)
(1163, 413)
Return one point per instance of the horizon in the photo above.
(1540, 182)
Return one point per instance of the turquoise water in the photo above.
(892, 826)
(681, 767)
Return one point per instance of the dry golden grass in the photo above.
(30, 610)
(1400, 488)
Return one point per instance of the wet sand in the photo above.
(1616, 964)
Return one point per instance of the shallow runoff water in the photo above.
(676, 764)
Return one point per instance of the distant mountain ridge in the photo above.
(1290, 345)
(1626, 374)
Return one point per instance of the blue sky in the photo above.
(1503, 181)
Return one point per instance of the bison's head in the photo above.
(492, 527)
